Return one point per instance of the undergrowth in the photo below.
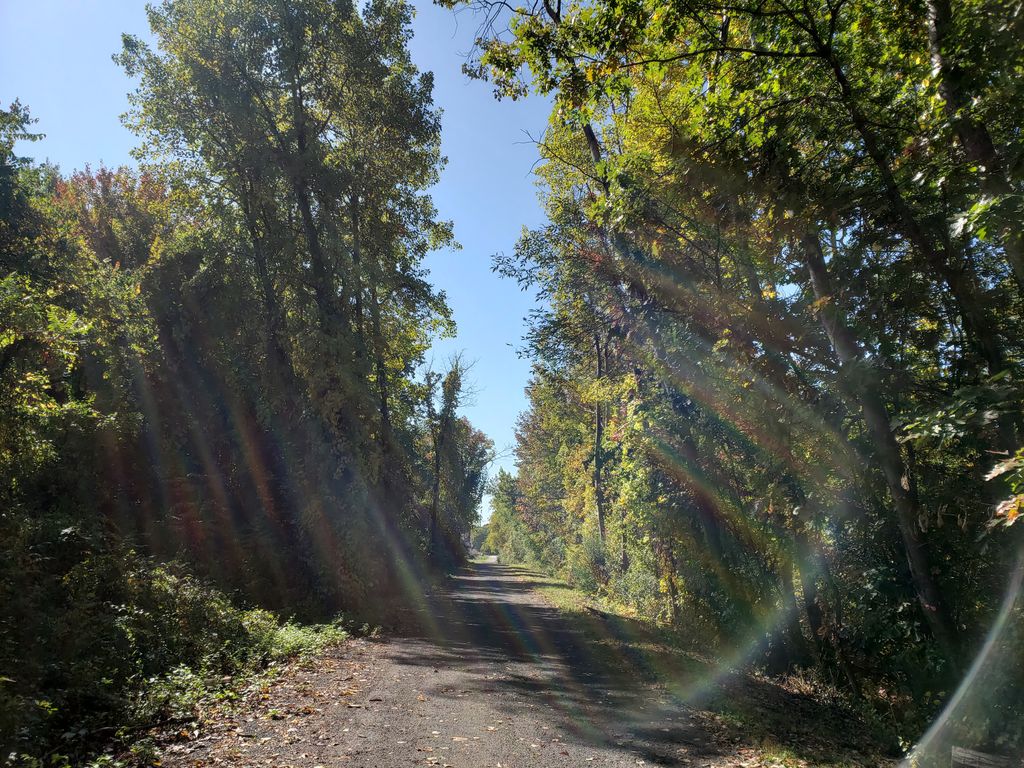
(131, 645)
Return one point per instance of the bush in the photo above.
(586, 564)
(638, 587)
(118, 640)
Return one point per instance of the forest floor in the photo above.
(489, 672)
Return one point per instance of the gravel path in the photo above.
(491, 675)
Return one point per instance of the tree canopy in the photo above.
(779, 353)
(216, 359)
(775, 398)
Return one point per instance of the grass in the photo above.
(291, 640)
(790, 726)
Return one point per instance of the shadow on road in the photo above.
(609, 681)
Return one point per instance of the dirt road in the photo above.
(492, 675)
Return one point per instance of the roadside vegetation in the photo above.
(777, 359)
(791, 720)
(776, 401)
(126, 646)
(217, 426)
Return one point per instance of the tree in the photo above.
(306, 132)
(460, 455)
(778, 208)
(214, 361)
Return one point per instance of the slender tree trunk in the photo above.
(811, 564)
(435, 489)
(842, 657)
(271, 305)
(441, 425)
(668, 559)
(435, 497)
(887, 450)
(357, 264)
(961, 283)
(599, 447)
(381, 370)
(809, 586)
(322, 290)
(623, 542)
(972, 134)
(796, 645)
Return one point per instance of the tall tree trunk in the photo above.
(811, 564)
(438, 433)
(357, 264)
(322, 285)
(623, 542)
(842, 657)
(381, 370)
(667, 562)
(322, 290)
(599, 446)
(978, 325)
(440, 428)
(435, 498)
(887, 451)
(808, 567)
(271, 306)
(435, 490)
(796, 645)
(972, 134)
(829, 652)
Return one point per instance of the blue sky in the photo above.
(55, 58)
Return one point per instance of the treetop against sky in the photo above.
(56, 58)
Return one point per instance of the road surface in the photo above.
(492, 675)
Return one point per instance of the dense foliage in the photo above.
(776, 394)
(216, 360)
(780, 349)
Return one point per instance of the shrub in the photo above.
(586, 564)
(118, 640)
(638, 587)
